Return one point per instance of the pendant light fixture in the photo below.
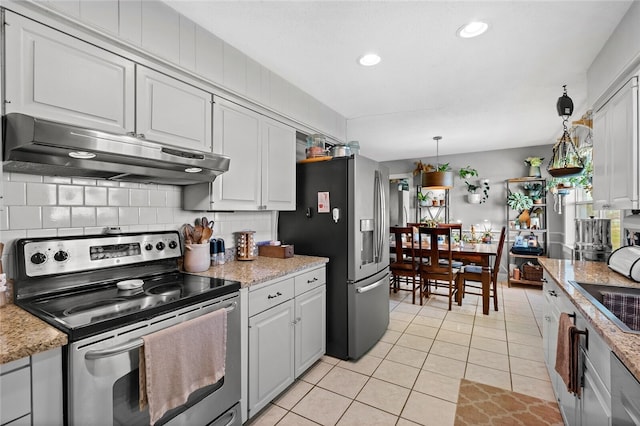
(441, 178)
(565, 161)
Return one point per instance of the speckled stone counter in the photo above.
(262, 269)
(22, 334)
(625, 345)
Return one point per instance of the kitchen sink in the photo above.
(593, 292)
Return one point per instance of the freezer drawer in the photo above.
(368, 313)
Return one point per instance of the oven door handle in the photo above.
(126, 347)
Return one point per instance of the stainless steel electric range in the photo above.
(106, 292)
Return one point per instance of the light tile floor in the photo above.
(413, 374)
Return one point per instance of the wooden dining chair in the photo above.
(473, 273)
(435, 274)
(403, 264)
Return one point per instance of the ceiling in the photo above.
(491, 92)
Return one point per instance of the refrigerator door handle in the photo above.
(370, 286)
(379, 215)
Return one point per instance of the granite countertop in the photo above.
(22, 334)
(262, 269)
(625, 345)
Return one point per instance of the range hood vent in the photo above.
(37, 146)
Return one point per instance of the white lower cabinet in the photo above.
(287, 333)
(31, 390)
(593, 407)
(271, 337)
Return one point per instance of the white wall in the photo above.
(42, 206)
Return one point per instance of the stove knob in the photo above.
(160, 246)
(38, 258)
(172, 244)
(61, 256)
(148, 247)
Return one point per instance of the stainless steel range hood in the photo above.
(37, 146)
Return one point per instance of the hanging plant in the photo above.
(483, 184)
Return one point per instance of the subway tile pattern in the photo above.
(49, 206)
(412, 376)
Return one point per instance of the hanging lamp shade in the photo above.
(437, 179)
(566, 161)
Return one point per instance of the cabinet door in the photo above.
(278, 166)
(615, 179)
(595, 402)
(310, 335)
(271, 363)
(236, 133)
(54, 76)
(172, 112)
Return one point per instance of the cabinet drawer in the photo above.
(269, 296)
(14, 365)
(310, 280)
(15, 388)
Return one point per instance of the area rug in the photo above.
(481, 405)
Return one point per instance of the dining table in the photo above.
(477, 253)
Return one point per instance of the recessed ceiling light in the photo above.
(369, 60)
(82, 155)
(193, 170)
(473, 29)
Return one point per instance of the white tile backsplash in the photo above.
(56, 216)
(48, 206)
(83, 216)
(139, 197)
(95, 196)
(39, 194)
(68, 195)
(118, 196)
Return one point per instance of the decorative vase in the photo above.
(474, 198)
(534, 171)
(524, 218)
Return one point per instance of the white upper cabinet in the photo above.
(262, 172)
(237, 135)
(173, 112)
(130, 14)
(161, 30)
(209, 54)
(103, 14)
(278, 166)
(615, 150)
(54, 76)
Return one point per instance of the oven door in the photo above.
(102, 374)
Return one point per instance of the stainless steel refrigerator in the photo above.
(341, 213)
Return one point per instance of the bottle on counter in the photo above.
(213, 251)
(220, 252)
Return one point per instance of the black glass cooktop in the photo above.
(105, 307)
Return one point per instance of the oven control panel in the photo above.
(63, 255)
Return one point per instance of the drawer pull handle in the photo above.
(313, 280)
(552, 293)
(274, 296)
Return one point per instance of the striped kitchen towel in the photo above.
(624, 306)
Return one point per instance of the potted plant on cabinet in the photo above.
(521, 203)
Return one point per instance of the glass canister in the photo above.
(354, 147)
(316, 146)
